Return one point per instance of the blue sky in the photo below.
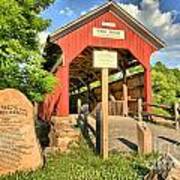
(162, 17)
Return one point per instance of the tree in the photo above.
(21, 63)
(165, 84)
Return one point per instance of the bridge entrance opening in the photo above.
(126, 83)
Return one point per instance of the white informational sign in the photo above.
(108, 24)
(108, 33)
(105, 59)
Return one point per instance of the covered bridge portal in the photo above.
(107, 27)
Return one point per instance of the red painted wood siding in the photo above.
(75, 42)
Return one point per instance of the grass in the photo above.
(82, 164)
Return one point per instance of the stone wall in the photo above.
(63, 133)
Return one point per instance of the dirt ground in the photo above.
(123, 136)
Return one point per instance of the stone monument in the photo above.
(19, 147)
(145, 145)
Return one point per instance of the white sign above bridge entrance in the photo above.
(108, 33)
(108, 24)
(105, 59)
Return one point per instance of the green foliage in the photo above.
(160, 111)
(20, 58)
(166, 84)
(83, 164)
(136, 69)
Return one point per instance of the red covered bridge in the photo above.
(107, 27)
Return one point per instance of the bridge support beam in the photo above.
(125, 100)
(147, 88)
(62, 108)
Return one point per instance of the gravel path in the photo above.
(123, 136)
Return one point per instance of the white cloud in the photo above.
(67, 11)
(83, 12)
(42, 37)
(161, 23)
(131, 9)
(93, 7)
(175, 14)
(170, 56)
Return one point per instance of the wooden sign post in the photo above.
(105, 113)
(105, 60)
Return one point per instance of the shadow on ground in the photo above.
(172, 141)
(129, 144)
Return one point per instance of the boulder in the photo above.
(19, 147)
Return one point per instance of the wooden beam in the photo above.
(59, 61)
(79, 103)
(75, 80)
(176, 115)
(125, 99)
(124, 75)
(73, 87)
(104, 150)
(140, 109)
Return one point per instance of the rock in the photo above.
(144, 138)
(63, 133)
(19, 147)
(50, 150)
(63, 143)
(166, 168)
(72, 133)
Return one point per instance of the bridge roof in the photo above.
(118, 11)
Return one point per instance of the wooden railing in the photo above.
(115, 108)
(175, 109)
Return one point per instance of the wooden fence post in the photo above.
(98, 131)
(85, 124)
(140, 109)
(125, 100)
(176, 115)
(79, 106)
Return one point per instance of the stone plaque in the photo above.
(19, 147)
